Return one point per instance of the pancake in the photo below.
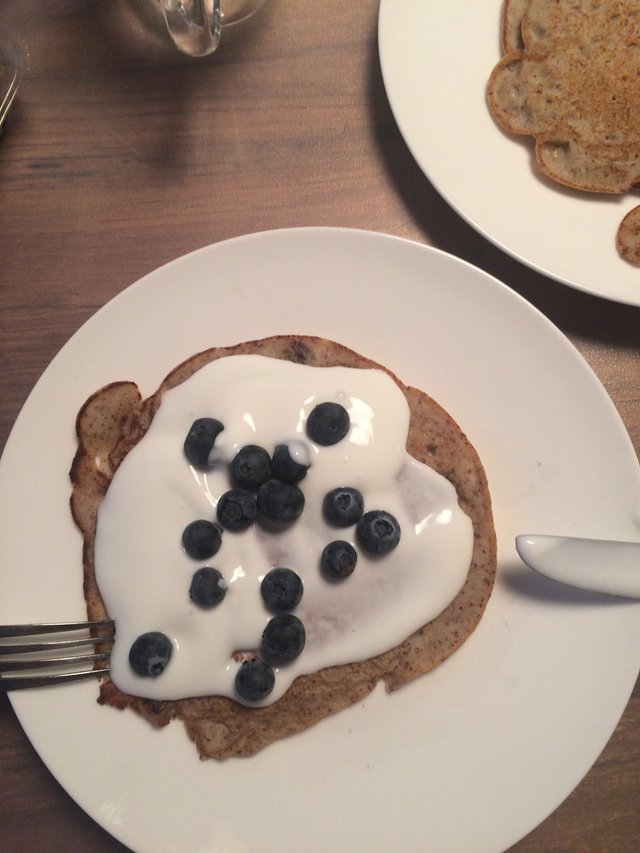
(569, 79)
(628, 237)
(116, 418)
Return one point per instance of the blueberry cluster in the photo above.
(264, 489)
(377, 532)
(282, 640)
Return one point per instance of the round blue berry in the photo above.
(285, 467)
(338, 560)
(202, 539)
(254, 680)
(237, 509)
(342, 507)
(150, 654)
(279, 503)
(283, 639)
(328, 423)
(378, 532)
(281, 589)
(208, 587)
(200, 440)
(250, 467)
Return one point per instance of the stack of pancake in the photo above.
(570, 77)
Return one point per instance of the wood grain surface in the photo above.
(121, 154)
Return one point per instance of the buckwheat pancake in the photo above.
(569, 79)
(116, 418)
(628, 237)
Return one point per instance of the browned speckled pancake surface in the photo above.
(569, 78)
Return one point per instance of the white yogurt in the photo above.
(144, 573)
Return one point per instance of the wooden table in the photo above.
(122, 154)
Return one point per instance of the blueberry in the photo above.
(250, 467)
(279, 503)
(338, 560)
(202, 539)
(342, 507)
(208, 587)
(150, 654)
(283, 639)
(200, 440)
(236, 509)
(328, 423)
(254, 680)
(285, 467)
(281, 589)
(378, 532)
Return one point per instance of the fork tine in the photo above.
(23, 632)
(51, 627)
(21, 682)
(12, 91)
(21, 667)
(49, 663)
(53, 645)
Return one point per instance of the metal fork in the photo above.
(26, 650)
(8, 87)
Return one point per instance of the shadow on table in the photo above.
(120, 71)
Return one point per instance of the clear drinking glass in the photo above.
(196, 25)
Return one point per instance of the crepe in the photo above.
(115, 418)
(628, 237)
(569, 78)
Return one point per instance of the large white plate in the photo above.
(436, 57)
(470, 757)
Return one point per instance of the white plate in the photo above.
(436, 57)
(472, 756)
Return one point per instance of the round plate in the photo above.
(471, 756)
(436, 59)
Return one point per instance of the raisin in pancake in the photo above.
(115, 418)
(569, 79)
